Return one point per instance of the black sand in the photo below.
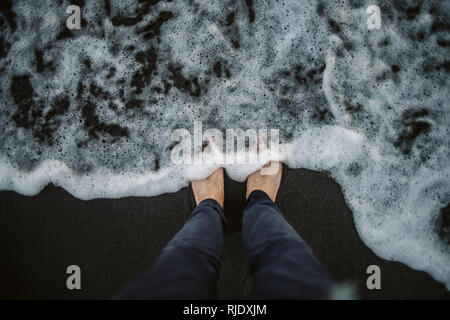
(115, 240)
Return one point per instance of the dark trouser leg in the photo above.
(188, 266)
(282, 265)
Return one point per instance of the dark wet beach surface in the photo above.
(114, 240)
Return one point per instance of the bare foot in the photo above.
(210, 188)
(267, 183)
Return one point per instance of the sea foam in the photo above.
(93, 110)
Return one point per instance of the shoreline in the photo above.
(113, 240)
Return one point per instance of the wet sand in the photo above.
(114, 240)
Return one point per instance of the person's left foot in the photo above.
(210, 188)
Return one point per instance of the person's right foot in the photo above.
(267, 183)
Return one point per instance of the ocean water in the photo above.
(93, 110)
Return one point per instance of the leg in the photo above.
(188, 266)
(282, 265)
